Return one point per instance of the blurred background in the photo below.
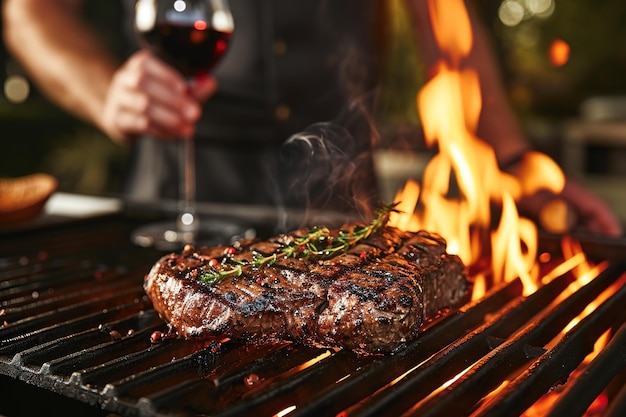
(563, 61)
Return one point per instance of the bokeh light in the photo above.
(559, 52)
(180, 5)
(16, 89)
(513, 12)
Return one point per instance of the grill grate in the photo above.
(78, 324)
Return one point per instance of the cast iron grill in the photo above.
(77, 323)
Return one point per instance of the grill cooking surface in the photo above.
(77, 323)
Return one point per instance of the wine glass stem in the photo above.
(188, 221)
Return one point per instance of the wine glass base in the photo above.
(167, 236)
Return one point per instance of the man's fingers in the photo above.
(202, 88)
(147, 96)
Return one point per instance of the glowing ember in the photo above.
(286, 411)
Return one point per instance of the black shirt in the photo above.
(290, 65)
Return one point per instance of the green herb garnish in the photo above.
(317, 244)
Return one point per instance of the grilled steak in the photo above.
(370, 298)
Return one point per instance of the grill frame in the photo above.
(321, 382)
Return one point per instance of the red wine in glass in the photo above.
(193, 49)
(192, 36)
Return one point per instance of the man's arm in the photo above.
(60, 53)
(71, 65)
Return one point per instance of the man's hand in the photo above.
(147, 96)
(593, 215)
(574, 210)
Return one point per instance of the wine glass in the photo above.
(192, 36)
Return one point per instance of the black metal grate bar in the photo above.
(579, 395)
(557, 363)
(79, 324)
(506, 358)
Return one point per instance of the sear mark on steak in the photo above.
(370, 299)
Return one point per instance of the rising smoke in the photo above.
(329, 165)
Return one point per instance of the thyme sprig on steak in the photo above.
(317, 244)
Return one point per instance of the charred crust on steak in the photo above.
(372, 298)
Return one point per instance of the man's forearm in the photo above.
(63, 57)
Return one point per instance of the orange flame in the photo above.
(462, 183)
(451, 26)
